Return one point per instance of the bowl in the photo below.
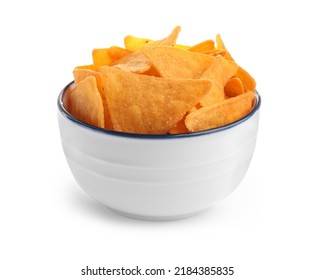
(158, 177)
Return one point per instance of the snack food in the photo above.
(160, 87)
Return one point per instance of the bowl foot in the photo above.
(156, 218)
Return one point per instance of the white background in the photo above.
(50, 229)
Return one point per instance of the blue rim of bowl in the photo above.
(66, 114)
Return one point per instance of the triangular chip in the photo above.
(86, 102)
(106, 56)
(89, 66)
(202, 47)
(180, 127)
(180, 46)
(229, 111)
(214, 73)
(100, 57)
(80, 75)
(234, 87)
(221, 46)
(168, 41)
(216, 52)
(219, 73)
(230, 69)
(137, 62)
(177, 63)
(248, 81)
(133, 43)
(149, 105)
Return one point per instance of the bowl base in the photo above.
(156, 218)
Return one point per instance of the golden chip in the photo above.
(89, 67)
(180, 127)
(133, 43)
(214, 73)
(221, 46)
(234, 87)
(248, 81)
(229, 111)
(230, 69)
(177, 63)
(80, 75)
(101, 57)
(106, 56)
(202, 47)
(149, 105)
(86, 102)
(137, 62)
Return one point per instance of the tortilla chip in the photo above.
(214, 73)
(107, 56)
(168, 41)
(89, 67)
(248, 81)
(177, 63)
(133, 43)
(80, 75)
(149, 105)
(180, 127)
(234, 87)
(116, 53)
(137, 62)
(202, 47)
(101, 57)
(227, 112)
(216, 52)
(180, 46)
(230, 69)
(220, 45)
(86, 102)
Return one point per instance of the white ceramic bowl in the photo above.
(158, 177)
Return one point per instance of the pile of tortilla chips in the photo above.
(160, 87)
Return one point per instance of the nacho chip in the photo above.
(149, 105)
(100, 57)
(248, 81)
(137, 62)
(216, 52)
(234, 87)
(180, 46)
(116, 53)
(219, 73)
(106, 56)
(168, 41)
(214, 73)
(177, 63)
(230, 69)
(134, 43)
(89, 67)
(86, 102)
(180, 127)
(80, 75)
(202, 47)
(229, 111)
(220, 45)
